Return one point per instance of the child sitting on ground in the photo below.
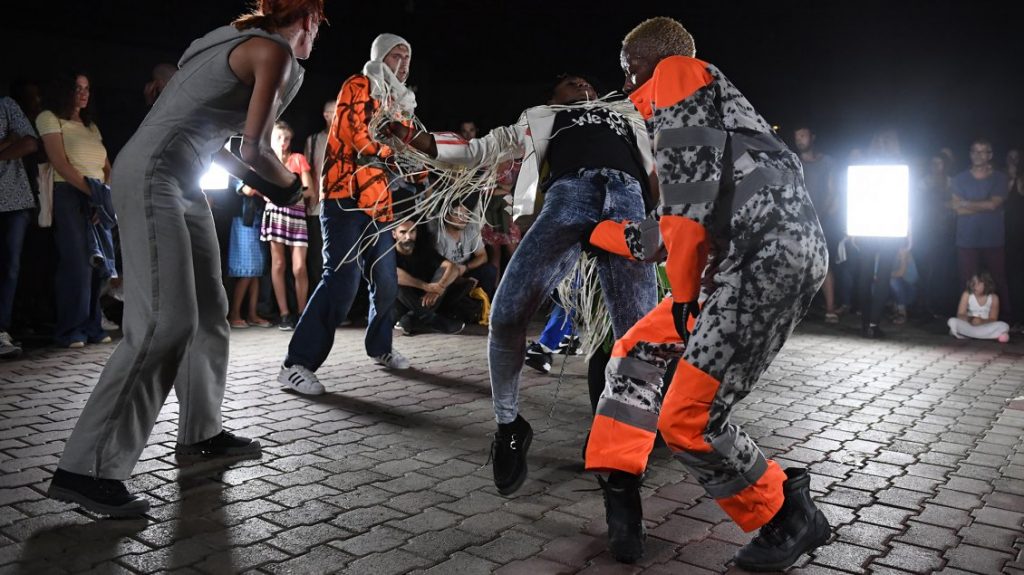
(978, 314)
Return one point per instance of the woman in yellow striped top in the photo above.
(75, 149)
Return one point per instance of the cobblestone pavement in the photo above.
(915, 447)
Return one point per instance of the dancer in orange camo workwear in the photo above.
(741, 238)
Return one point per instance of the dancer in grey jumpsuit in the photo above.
(236, 79)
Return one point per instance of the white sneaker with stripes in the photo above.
(300, 379)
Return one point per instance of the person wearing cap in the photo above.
(357, 208)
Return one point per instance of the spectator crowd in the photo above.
(961, 261)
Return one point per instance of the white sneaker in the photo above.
(107, 324)
(392, 360)
(7, 347)
(300, 379)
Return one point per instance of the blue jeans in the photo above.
(344, 227)
(12, 232)
(903, 292)
(573, 205)
(77, 282)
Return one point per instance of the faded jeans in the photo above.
(573, 205)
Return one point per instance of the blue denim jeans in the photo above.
(12, 237)
(77, 282)
(573, 205)
(344, 227)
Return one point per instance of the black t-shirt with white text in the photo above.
(593, 138)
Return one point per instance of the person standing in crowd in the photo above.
(285, 227)
(934, 233)
(247, 260)
(745, 257)
(75, 149)
(356, 208)
(819, 177)
(236, 79)
(314, 150)
(877, 255)
(1015, 238)
(17, 140)
(978, 197)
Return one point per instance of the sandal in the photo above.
(260, 322)
(239, 324)
(831, 318)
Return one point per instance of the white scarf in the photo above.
(383, 82)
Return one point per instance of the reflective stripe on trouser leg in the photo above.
(625, 425)
(725, 461)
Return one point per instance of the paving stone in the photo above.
(911, 558)
(466, 564)
(840, 555)
(977, 559)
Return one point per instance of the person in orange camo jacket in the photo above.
(742, 238)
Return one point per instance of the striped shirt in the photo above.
(83, 146)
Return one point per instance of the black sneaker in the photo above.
(797, 528)
(570, 345)
(103, 496)
(508, 454)
(537, 358)
(287, 323)
(408, 324)
(442, 324)
(625, 515)
(223, 444)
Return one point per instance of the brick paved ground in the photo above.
(917, 456)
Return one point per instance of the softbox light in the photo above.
(878, 201)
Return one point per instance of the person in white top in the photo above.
(978, 314)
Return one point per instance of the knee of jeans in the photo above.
(507, 319)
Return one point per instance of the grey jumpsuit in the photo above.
(175, 327)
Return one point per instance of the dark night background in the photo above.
(941, 72)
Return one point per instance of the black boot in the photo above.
(103, 496)
(508, 454)
(797, 528)
(625, 515)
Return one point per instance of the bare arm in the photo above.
(267, 65)
(993, 314)
(405, 279)
(15, 147)
(479, 258)
(54, 145)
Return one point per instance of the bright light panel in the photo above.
(215, 178)
(878, 201)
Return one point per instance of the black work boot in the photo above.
(508, 454)
(103, 496)
(625, 515)
(797, 528)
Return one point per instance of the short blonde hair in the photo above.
(660, 38)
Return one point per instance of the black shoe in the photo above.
(625, 516)
(570, 345)
(872, 331)
(537, 358)
(442, 324)
(797, 528)
(102, 496)
(223, 444)
(288, 322)
(409, 325)
(508, 454)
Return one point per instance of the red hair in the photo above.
(271, 15)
